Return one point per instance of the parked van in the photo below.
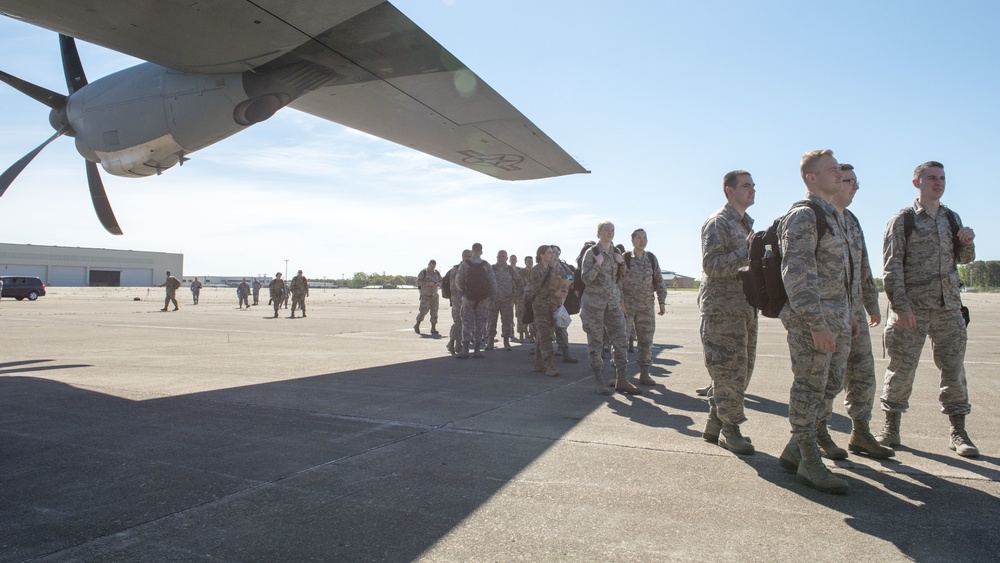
(20, 287)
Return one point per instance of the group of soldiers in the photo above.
(617, 292)
(832, 302)
(278, 289)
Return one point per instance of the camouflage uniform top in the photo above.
(864, 293)
(243, 289)
(300, 286)
(526, 288)
(509, 283)
(644, 278)
(602, 281)
(920, 273)
(723, 251)
(172, 284)
(815, 274)
(277, 288)
(424, 280)
(456, 292)
(463, 270)
(541, 282)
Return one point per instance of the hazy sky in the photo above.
(659, 99)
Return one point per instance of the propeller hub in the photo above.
(59, 119)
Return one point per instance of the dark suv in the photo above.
(20, 287)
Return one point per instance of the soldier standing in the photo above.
(728, 322)
(509, 285)
(859, 381)
(601, 308)
(277, 289)
(171, 286)
(243, 294)
(300, 290)
(815, 271)
(195, 290)
(428, 281)
(256, 290)
(478, 284)
(455, 334)
(519, 298)
(921, 247)
(547, 296)
(526, 331)
(641, 288)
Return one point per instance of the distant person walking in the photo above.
(171, 285)
(300, 290)
(243, 294)
(195, 290)
(428, 281)
(256, 285)
(277, 289)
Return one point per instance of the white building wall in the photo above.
(62, 265)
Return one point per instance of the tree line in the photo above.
(981, 274)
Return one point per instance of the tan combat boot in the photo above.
(602, 388)
(888, 436)
(712, 427)
(622, 384)
(731, 439)
(814, 473)
(644, 378)
(827, 447)
(862, 442)
(550, 370)
(960, 441)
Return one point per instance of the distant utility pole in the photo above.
(286, 268)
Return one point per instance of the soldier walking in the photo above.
(428, 281)
(300, 290)
(641, 288)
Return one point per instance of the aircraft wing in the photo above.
(381, 73)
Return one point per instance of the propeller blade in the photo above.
(7, 178)
(39, 94)
(72, 67)
(100, 198)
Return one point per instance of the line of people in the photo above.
(611, 290)
(832, 302)
(279, 291)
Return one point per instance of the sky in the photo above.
(658, 99)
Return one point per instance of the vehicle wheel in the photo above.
(32, 296)
(19, 298)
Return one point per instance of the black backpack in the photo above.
(446, 285)
(761, 277)
(477, 282)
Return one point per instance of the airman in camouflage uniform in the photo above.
(519, 299)
(277, 289)
(300, 290)
(525, 331)
(455, 334)
(816, 275)
(601, 308)
(859, 381)
(474, 313)
(547, 297)
(922, 284)
(565, 271)
(171, 286)
(428, 281)
(642, 287)
(509, 285)
(728, 322)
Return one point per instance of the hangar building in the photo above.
(78, 267)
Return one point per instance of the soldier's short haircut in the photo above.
(844, 167)
(929, 164)
(603, 224)
(637, 231)
(433, 262)
(809, 160)
(477, 247)
(729, 180)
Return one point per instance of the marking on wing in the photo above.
(506, 162)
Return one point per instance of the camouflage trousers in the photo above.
(456, 321)
(544, 328)
(730, 345)
(519, 314)
(947, 330)
(171, 298)
(596, 320)
(818, 377)
(474, 314)
(643, 321)
(505, 311)
(298, 300)
(428, 303)
(859, 383)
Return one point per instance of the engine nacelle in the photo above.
(145, 119)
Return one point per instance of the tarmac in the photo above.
(215, 434)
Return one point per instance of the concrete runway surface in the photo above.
(214, 434)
